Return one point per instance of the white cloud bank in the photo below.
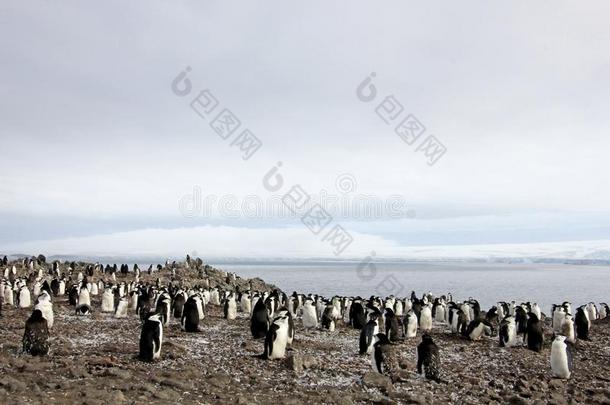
(289, 243)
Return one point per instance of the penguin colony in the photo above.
(383, 322)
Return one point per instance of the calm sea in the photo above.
(542, 283)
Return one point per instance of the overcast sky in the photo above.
(94, 141)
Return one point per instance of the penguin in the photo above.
(592, 311)
(245, 303)
(276, 339)
(328, 321)
(107, 300)
(84, 297)
(367, 336)
(121, 308)
(508, 332)
(36, 336)
(285, 312)
(55, 287)
(384, 359)
(428, 358)
(477, 329)
(425, 319)
(561, 358)
(521, 319)
(410, 325)
(536, 310)
(45, 306)
(24, 297)
(259, 322)
(567, 329)
(190, 315)
(230, 307)
(310, 316)
(391, 325)
(558, 317)
(83, 310)
(582, 324)
(604, 311)
(357, 315)
(178, 304)
(533, 333)
(163, 308)
(151, 338)
(8, 295)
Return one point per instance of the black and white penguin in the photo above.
(245, 302)
(230, 307)
(276, 339)
(121, 308)
(83, 310)
(561, 358)
(151, 338)
(328, 321)
(385, 357)
(521, 319)
(367, 335)
(508, 332)
(285, 312)
(477, 329)
(428, 358)
(190, 315)
(259, 322)
(533, 333)
(163, 308)
(24, 297)
(425, 319)
(310, 315)
(568, 329)
(582, 324)
(45, 306)
(357, 315)
(36, 336)
(410, 325)
(178, 304)
(391, 325)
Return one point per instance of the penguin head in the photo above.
(426, 338)
(381, 338)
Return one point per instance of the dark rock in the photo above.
(376, 380)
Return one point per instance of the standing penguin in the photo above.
(230, 307)
(384, 359)
(425, 319)
(151, 338)
(36, 336)
(533, 333)
(310, 316)
(24, 297)
(121, 308)
(357, 315)
(190, 315)
(582, 324)
(508, 332)
(561, 358)
(328, 320)
(276, 339)
(477, 329)
(410, 325)
(367, 336)
(568, 328)
(45, 306)
(428, 358)
(391, 325)
(286, 312)
(259, 322)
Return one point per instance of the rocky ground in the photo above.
(93, 360)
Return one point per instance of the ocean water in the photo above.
(545, 284)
